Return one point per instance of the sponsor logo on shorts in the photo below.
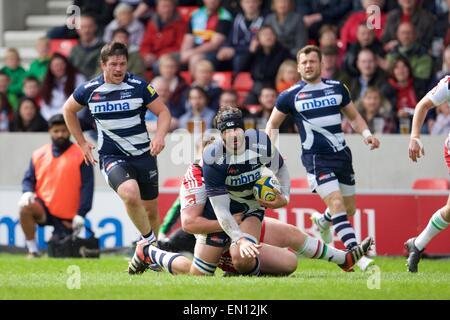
(217, 239)
(325, 176)
(152, 173)
(190, 200)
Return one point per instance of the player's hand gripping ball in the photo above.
(264, 189)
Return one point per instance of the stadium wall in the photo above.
(388, 168)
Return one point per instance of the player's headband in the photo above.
(230, 122)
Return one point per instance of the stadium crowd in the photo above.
(203, 54)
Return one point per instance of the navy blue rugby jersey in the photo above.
(119, 112)
(316, 109)
(236, 175)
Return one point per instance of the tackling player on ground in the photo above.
(441, 218)
(316, 105)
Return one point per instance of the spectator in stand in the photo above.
(135, 63)
(228, 98)
(207, 31)
(402, 90)
(288, 25)
(164, 34)
(348, 33)
(38, 67)
(203, 77)
(197, 110)
(317, 13)
(28, 118)
(123, 18)
(162, 86)
(440, 9)
(409, 11)
(365, 39)
(328, 37)
(441, 126)
(408, 46)
(330, 68)
(376, 111)
(264, 61)
(242, 34)
(267, 100)
(85, 56)
(169, 70)
(6, 113)
(287, 75)
(101, 10)
(5, 81)
(445, 70)
(59, 83)
(15, 72)
(369, 74)
(32, 90)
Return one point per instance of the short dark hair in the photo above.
(308, 49)
(32, 79)
(113, 49)
(120, 30)
(56, 120)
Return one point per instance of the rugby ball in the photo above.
(264, 188)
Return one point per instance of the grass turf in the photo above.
(106, 279)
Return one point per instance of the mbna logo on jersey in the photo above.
(111, 107)
(245, 178)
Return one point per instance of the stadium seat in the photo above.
(186, 11)
(62, 46)
(299, 183)
(186, 76)
(172, 182)
(253, 108)
(223, 79)
(431, 184)
(242, 85)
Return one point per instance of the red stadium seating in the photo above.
(186, 11)
(223, 79)
(186, 76)
(172, 182)
(431, 184)
(62, 46)
(242, 85)
(299, 183)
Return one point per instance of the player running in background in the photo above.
(441, 218)
(118, 101)
(316, 105)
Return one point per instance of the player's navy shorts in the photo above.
(330, 172)
(143, 169)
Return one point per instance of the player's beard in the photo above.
(61, 143)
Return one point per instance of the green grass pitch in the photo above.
(105, 278)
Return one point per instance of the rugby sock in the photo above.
(325, 220)
(344, 229)
(162, 258)
(256, 271)
(32, 246)
(435, 225)
(315, 249)
(150, 237)
(204, 267)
